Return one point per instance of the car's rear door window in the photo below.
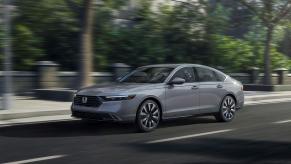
(206, 75)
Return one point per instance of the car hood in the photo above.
(114, 88)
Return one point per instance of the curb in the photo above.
(267, 97)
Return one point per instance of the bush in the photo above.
(239, 55)
(233, 54)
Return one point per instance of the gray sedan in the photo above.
(150, 94)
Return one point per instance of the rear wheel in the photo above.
(227, 110)
(148, 116)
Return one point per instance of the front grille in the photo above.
(91, 101)
(96, 116)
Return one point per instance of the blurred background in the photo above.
(139, 32)
(82, 39)
(51, 48)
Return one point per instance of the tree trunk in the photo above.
(267, 61)
(86, 48)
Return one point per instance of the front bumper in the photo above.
(240, 105)
(95, 116)
(108, 111)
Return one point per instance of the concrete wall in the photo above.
(27, 81)
(245, 78)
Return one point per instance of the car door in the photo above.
(182, 99)
(211, 90)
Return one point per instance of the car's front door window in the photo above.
(185, 73)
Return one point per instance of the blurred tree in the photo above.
(1, 46)
(183, 30)
(218, 19)
(255, 37)
(238, 19)
(86, 45)
(270, 12)
(26, 53)
(49, 27)
(239, 54)
(1, 35)
(284, 42)
(138, 43)
(140, 34)
(169, 35)
(234, 54)
(86, 23)
(217, 23)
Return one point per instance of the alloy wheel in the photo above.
(148, 116)
(227, 110)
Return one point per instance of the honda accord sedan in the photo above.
(153, 93)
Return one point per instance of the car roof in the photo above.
(183, 65)
(172, 65)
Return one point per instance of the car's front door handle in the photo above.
(219, 86)
(195, 87)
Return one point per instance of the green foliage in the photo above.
(49, 30)
(1, 46)
(114, 3)
(46, 27)
(218, 19)
(234, 54)
(239, 55)
(26, 53)
(172, 36)
(256, 37)
(278, 60)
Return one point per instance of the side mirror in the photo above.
(177, 81)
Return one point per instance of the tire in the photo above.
(148, 116)
(227, 110)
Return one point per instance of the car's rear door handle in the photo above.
(219, 86)
(195, 87)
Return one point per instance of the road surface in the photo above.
(259, 134)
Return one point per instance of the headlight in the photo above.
(117, 98)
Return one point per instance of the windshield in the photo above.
(148, 75)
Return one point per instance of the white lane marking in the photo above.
(189, 136)
(36, 159)
(282, 122)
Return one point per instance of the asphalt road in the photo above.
(259, 134)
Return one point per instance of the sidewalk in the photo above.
(24, 107)
(27, 107)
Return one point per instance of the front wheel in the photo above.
(227, 110)
(148, 116)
